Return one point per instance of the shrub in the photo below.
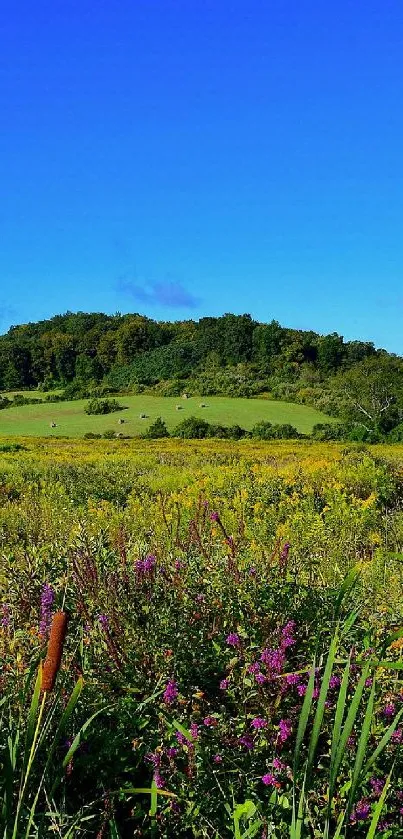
(11, 447)
(267, 431)
(360, 434)
(156, 430)
(396, 435)
(286, 432)
(102, 406)
(325, 431)
(192, 428)
(20, 399)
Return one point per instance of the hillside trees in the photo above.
(232, 355)
(373, 392)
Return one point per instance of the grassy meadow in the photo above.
(232, 665)
(72, 421)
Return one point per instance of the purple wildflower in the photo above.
(183, 740)
(247, 741)
(154, 758)
(149, 563)
(209, 721)
(389, 710)
(159, 781)
(224, 684)
(145, 566)
(301, 690)
(252, 571)
(214, 516)
(278, 764)
(293, 679)
(171, 692)
(287, 635)
(335, 682)
(194, 730)
(254, 668)
(103, 621)
(233, 640)
(259, 722)
(377, 785)
(285, 729)
(361, 811)
(6, 616)
(217, 759)
(273, 659)
(260, 678)
(47, 600)
(269, 780)
(172, 753)
(284, 555)
(397, 736)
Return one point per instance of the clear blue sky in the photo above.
(192, 157)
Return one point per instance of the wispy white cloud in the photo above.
(170, 293)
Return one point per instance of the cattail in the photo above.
(53, 658)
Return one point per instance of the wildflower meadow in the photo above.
(201, 639)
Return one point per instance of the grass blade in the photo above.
(362, 747)
(378, 809)
(348, 725)
(346, 586)
(320, 708)
(338, 721)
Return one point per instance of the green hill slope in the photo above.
(72, 421)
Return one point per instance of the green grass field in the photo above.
(72, 421)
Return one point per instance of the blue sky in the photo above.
(192, 157)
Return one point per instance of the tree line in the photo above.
(232, 355)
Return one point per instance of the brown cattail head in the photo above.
(54, 653)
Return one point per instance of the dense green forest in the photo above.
(231, 355)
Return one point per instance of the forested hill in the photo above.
(232, 354)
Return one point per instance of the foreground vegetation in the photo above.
(235, 624)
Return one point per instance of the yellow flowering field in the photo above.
(334, 505)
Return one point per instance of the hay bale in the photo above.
(179, 407)
(53, 425)
(143, 416)
(120, 421)
(202, 405)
